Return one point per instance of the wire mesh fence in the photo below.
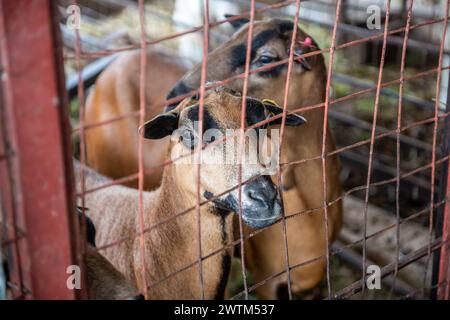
(387, 126)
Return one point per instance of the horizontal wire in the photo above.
(295, 162)
(308, 211)
(260, 69)
(353, 288)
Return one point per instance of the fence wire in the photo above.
(435, 244)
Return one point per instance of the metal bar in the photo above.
(441, 216)
(398, 140)
(81, 107)
(198, 154)
(77, 240)
(444, 266)
(6, 193)
(442, 259)
(241, 141)
(324, 142)
(435, 129)
(142, 104)
(42, 185)
(282, 128)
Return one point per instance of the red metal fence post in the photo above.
(444, 265)
(36, 127)
(443, 289)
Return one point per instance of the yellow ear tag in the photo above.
(271, 102)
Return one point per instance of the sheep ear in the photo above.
(90, 228)
(160, 126)
(254, 112)
(238, 22)
(292, 120)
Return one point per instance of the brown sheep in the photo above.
(173, 245)
(117, 93)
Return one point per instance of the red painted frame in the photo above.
(38, 178)
(35, 155)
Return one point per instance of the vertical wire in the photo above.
(200, 138)
(324, 140)
(17, 233)
(283, 125)
(372, 141)
(241, 141)
(82, 134)
(142, 103)
(433, 154)
(399, 125)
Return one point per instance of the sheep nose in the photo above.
(261, 203)
(262, 191)
(255, 195)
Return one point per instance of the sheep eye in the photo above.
(188, 139)
(265, 59)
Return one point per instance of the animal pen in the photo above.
(387, 101)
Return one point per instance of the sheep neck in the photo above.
(179, 236)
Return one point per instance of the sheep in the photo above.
(104, 282)
(117, 91)
(171, 248)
